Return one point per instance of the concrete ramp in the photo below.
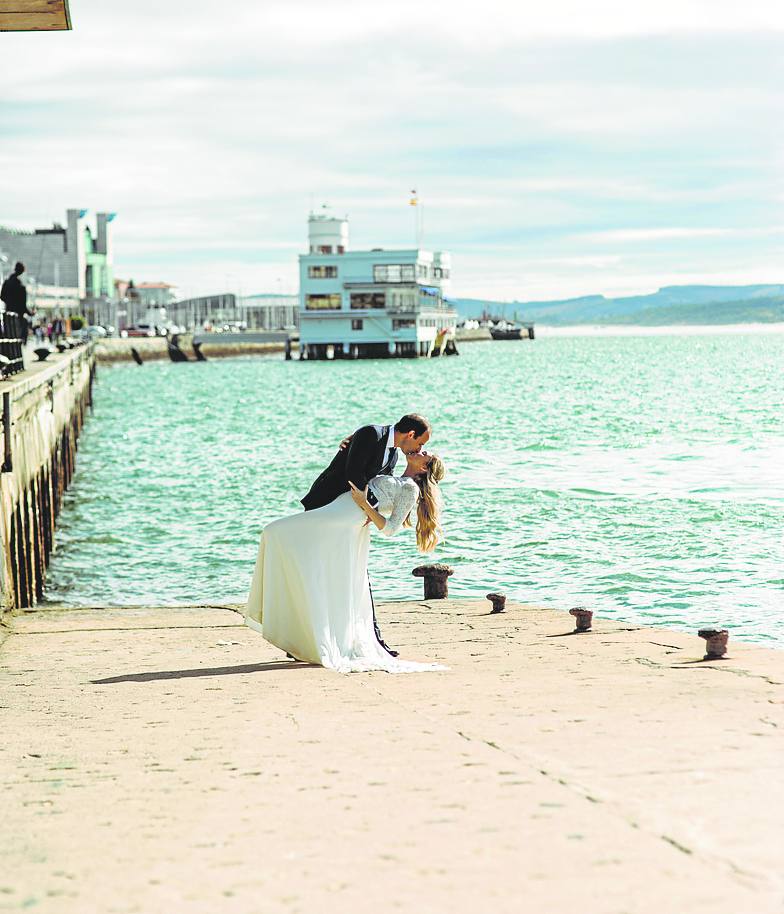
(172, 760)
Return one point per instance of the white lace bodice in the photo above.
(397, 497)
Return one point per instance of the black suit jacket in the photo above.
(14, 295)
(360, 462)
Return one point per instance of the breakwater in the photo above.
(154, 348)
(43, 411)
(216, 345)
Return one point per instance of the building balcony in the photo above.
(355, 282)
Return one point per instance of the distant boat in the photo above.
(506, 331)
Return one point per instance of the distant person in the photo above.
(14, 295)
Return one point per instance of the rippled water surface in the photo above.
(641, 476)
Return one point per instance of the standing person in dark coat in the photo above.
(14, 295)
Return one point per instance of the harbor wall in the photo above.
(153, 348)
(226, 345)
(43, 411)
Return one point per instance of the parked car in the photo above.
(90, 333)
(140, 330)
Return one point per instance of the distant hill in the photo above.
(670, 305)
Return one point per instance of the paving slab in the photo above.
(169, 759)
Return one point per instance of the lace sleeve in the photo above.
(405, 499)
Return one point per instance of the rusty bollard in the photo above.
(498, 600)
(436, 580)
(716, 642)
(582, 617)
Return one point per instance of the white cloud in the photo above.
(540, 136)
(676, 232)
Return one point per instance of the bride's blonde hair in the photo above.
(428, 528)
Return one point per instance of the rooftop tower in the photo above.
(327, 234)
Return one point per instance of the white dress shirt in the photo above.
(390, 444)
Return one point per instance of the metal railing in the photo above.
(13, 334)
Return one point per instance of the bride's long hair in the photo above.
(428, 528)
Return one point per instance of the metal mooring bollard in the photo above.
(716, 642)
(498, 600)
(583, 618)
(436, 580)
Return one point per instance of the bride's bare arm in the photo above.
(360, 499)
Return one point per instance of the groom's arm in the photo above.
(363, 443)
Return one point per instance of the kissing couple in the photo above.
(310, 594)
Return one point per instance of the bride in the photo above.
(310, 594)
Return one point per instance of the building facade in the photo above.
(156, 294)
(249, 312)
(375, 303)
(270, 312)
(68, 267)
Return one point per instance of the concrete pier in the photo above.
(172, 760)
(43, 412)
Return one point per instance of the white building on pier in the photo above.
(356, 304)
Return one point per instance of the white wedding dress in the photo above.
(310, 594)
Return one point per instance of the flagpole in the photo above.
(414, 203)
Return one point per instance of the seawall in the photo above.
(153, 348)
(219, 345)
(43, 410)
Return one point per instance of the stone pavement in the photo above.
(169, 760)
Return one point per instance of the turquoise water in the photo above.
(639, 475)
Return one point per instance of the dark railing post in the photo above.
(11, 339)
(7, 464)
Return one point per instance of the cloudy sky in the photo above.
(559, 148)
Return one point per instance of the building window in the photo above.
(341, 249)
(325, 249)
(367, 300)
(322, 272)
(323, 302)
(357, 324)
(394, 272)
(403, 301)
(403, 324)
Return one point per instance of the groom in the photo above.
(370, 451)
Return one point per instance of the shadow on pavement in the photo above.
(210, 671)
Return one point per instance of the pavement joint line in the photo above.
(130, 628)
(718, 667)
(611, 805)
(45, 609)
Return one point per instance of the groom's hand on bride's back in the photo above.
(345, 443)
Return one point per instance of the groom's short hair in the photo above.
(412, 423)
